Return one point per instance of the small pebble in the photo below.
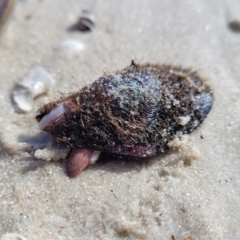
(37, 81)
(69, 45)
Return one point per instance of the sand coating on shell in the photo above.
(134, 112)
(52, 152)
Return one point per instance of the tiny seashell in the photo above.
(86, 21)
(134, 113)
(36, 82)
(69, 45)
(12, 236)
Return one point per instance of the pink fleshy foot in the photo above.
(79, 159)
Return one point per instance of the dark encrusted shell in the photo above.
(134, 112)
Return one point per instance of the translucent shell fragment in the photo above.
(36, 82)
(134, 112)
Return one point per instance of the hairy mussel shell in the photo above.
(134, 112)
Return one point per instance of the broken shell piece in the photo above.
(94, 157)
(86, 21)
(12, 236)
(69, 45)
(34, 83)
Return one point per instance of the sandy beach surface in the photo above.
(192, 192)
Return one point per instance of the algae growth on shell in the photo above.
(134, 112)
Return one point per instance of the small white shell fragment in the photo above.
(34, 83)
(94, 157)
(69, 45)
(12, 236)
(52, 153)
